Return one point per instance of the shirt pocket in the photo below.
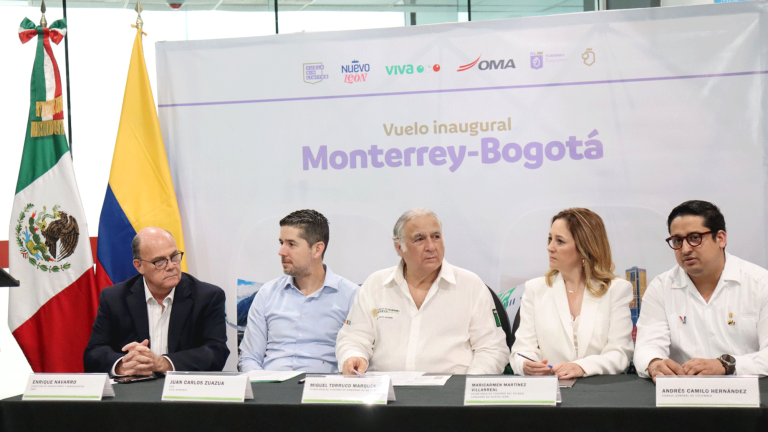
(681, 331)
(328, 322)
(388, 323)
(748, 326)
(743, 326)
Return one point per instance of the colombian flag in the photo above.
(140, 191)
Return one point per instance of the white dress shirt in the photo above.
(159, 318)
(675, 322)
(454, 331)
(601, 341)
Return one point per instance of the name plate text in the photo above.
(348, 390)
(207, 387)
(712, 391)
(511, 390)
(89, 387)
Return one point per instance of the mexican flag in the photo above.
(52, 312)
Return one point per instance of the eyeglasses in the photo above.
(163, 262)
(694, 239)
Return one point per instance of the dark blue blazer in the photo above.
(197, 336)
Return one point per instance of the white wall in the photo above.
(100, 42)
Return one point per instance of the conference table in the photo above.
(620, 403)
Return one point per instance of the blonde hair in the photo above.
(591, 240)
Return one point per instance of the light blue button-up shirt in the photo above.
(287, 330)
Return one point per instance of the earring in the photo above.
(583, 263)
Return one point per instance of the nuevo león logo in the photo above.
(355, 72)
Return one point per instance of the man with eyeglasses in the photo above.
(709, 314)
(159, 320)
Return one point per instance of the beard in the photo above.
(297, 272)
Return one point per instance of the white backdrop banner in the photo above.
(495, 125)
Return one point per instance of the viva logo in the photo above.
(408, 69)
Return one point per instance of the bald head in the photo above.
(151, 234)
(154, 250)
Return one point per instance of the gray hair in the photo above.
(397, 232)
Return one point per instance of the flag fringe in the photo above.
(47, 128)
(49, 108)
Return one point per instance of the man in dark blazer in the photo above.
(160, 320)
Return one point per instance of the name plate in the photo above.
(89, 387)
(348, 390)
(711, 391)
(511, 390)
(207, 387)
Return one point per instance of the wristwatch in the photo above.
(729, 363)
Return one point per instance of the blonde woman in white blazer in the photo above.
(575, 321)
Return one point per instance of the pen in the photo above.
(301, 381)
(358, 373)
(528, 358)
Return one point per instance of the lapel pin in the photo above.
(683, 319)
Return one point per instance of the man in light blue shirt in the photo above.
(294, 319)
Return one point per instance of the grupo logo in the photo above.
(408, 69)
(314, 73)
(537, 60)
(355, 72)
(488, 64)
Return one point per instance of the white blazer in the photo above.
(604, 334)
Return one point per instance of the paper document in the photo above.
(272, 376)
(398, 378)
(429, 380)
(402, 379)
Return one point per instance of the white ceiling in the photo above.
(481, 9)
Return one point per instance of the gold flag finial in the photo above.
(43, 22)
(139, 22)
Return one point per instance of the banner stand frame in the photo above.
(6, 280)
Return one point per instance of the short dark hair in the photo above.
(713, 218)
(313, 225)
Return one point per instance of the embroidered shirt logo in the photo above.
(384, 313)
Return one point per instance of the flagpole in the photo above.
(66, 67)
(44, 23)
(139, 22)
